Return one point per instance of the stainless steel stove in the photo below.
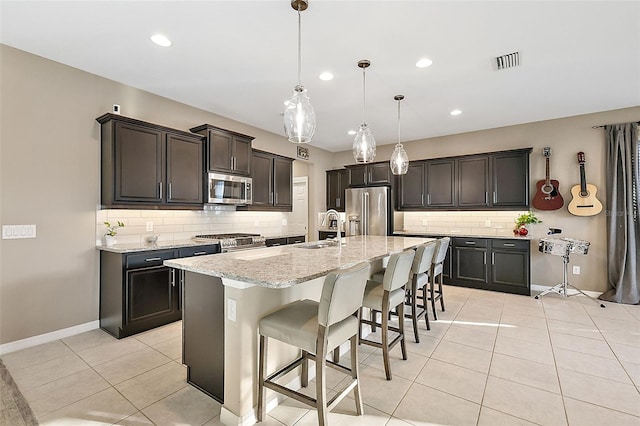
(233, 242)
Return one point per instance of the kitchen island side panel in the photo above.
(203, 333)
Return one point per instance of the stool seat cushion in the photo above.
(378, 276)
(297, 324)
(373, 296)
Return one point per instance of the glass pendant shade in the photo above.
(399, 160)
(364, 145)
(299, 117)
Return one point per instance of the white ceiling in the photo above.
(239, 58)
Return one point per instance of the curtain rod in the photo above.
(601, 127)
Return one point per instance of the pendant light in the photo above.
(364, 145)
(399, 159)
(299, 117)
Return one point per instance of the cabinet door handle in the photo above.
(337, 202)
(276, 198)
(199, 253)
(485, 257)
(169, 189)
(231, 161)
(275, 244)
(173, 277)
(493, 258)
(471, 243)
(486, 197)
(495, 197)
(159, 189)
(508, 245)
(270, 197)
(152, 259)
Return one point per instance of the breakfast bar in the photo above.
(225, 295)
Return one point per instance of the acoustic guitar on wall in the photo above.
(547, 196)
(584, 201)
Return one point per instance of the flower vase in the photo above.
(109, 240)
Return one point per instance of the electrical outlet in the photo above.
(487, 223)
(231, 310)
(149, 226)
(424, 222)
(576, 270)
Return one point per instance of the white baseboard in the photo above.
(571, 292)
(48, 337)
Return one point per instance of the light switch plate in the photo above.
(12, 232)
(231, 310)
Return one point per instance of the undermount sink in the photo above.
(319, 245)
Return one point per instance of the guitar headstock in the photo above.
(581, 159)
(546, 151)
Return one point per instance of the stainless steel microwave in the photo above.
(229, 189)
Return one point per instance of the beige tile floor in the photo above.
(491, 359)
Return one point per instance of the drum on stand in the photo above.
(564, 247)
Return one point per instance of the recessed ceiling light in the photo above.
(326, 76)
(424, 63)
(456, 112)
(351, 132)
(161, 40)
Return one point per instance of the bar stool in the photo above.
(384, 297)
(420, 270)
(317, 328)
(437, 267)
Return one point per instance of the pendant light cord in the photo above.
(299, 45)
(364, 99)
(399, 100)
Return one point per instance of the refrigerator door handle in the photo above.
(365, 213)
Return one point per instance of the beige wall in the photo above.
(566, 137)
(50, 176)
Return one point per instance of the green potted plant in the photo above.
(110, 235)
(523, 221)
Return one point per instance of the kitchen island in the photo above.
(225, 295)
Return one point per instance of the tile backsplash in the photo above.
(174, 225)
(486, 223)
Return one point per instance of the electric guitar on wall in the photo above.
(584, 201)
(547, 196)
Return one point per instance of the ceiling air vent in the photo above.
(509, 60)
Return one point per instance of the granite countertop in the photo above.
(286, 266)
(160, 245)
(463, 235)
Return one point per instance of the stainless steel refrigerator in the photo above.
(369, 211)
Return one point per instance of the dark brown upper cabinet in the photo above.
(227, 152)
(372, 174)
(272, 177)
(337, 182)
(497, 180)
(149, 166)
(473, 182)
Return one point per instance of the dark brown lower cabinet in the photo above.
(498, 264)
(492, 264)
(138, 293)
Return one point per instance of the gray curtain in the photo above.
(623, 223)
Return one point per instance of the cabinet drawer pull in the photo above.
(152, 259)
(199, 253)
(493, 258)
(509, 245)
(169, 189)
(471, 243)
(173, 277)
(495, 197)
(275, 244)
(486, 197)
(484, 257)
(159, 189)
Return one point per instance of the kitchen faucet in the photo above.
(339, 221)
